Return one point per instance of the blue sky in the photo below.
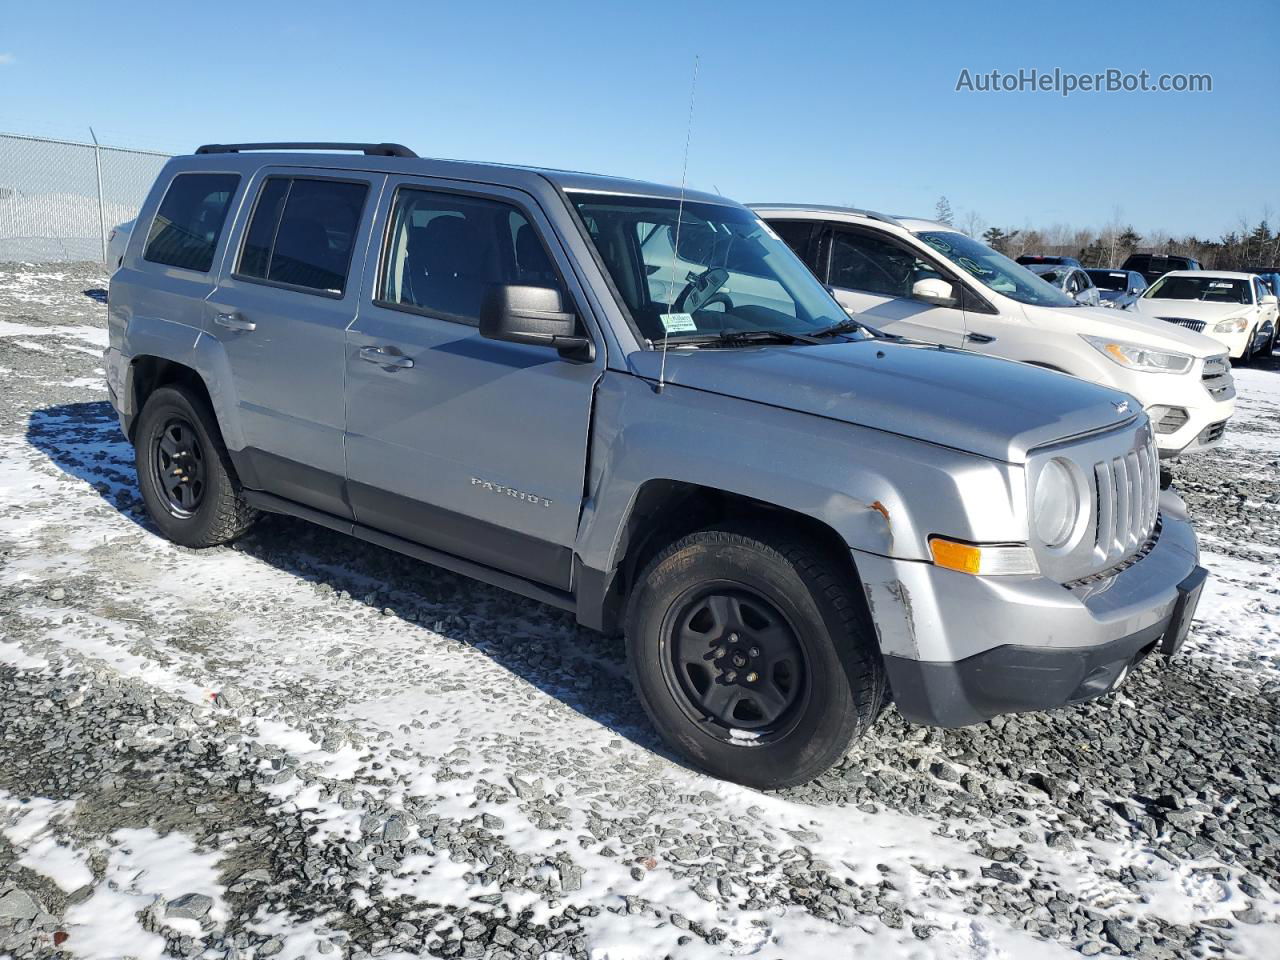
(816, 101)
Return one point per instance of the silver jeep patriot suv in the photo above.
(637, 404)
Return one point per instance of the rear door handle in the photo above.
(383, 358)
(980, 338)
(233, 321)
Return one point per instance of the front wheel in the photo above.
(752, 655)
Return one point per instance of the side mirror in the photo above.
(534, 316)
(1268, 300)
(1082, 296)
(935, 291)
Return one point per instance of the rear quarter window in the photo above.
(187, 226)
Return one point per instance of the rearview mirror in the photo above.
(935, 291)
(534, 316)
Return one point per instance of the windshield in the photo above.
(1109, 279)
(731, 274)
(1209, 289)
(995, 270)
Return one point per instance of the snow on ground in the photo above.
(349, 753)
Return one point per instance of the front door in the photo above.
(281, 312)
(872, 277)
(467, 445)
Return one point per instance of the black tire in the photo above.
(780, 586)
(177, 435)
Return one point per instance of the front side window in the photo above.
(445, 252)
(189, 222)
(862, 261)
(717, 269)
(995, 270)
(1208, 289)
(303, 232)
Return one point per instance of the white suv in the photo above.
(927, 281)
(1235, 309)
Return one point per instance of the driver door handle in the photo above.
(233, 321)
(383, 358)
(980, 338)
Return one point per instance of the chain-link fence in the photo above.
(59, 199)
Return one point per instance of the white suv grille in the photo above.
(1127, 492)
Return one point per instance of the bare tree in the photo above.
(971, 223)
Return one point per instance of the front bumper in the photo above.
(1206, 414)
(960, 649)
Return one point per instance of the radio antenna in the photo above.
(675, 247)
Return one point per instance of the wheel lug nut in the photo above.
(733, 638)
(718, 652)
(752, 677)
(754, 651)
(730, 676)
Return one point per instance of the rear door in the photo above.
(471, 446)
(872, 276)
(281, 312)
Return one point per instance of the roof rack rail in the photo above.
(368, 149)
(869, 214)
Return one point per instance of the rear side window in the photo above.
(189, 222)
(446, 251)
(303, 232)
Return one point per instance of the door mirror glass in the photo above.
(534, 316)
(935, 291)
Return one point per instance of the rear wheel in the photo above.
(184, 472)
(752, 655)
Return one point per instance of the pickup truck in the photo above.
(636, 403)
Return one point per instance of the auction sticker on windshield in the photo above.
(678, 322)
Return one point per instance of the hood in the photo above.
(984, 405)
(1130, 325)
(1192, 309)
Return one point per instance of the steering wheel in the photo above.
(718, 298)
(701, 288)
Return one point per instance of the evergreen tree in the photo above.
(942, 211)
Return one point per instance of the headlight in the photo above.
(1234, 325)
(1055, 504)
(1139, 357)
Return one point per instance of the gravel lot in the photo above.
(303, 746)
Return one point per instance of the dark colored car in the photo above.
(1270, 276)
(1028, 259)
(1117, 288)
(1153, 266)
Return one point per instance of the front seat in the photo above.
(442, 268)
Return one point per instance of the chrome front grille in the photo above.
(1196, 325)
(1127, 492)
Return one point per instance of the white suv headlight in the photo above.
(1139, 357)
(1055, 504)
(1234, 325)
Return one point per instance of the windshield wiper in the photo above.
(848, 325)
(731, 338)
